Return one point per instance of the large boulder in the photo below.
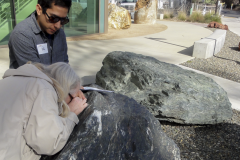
(118, 17)
(115, 127)
(145, 12)
(169, 92)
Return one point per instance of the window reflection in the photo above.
(84, 17)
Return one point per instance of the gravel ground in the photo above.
(225, 64)
(207, 142)
(212, 142)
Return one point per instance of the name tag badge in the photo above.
(42, 48)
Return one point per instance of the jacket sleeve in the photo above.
(23, 49)
(47, 132)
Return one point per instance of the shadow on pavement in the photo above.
(160, 40)
(187, 51)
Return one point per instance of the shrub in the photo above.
(182, 16)
(197, 17)
(208, 17)
(210, 1)
(168, 14)
(76, 8)
(216, 18)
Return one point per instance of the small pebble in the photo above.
(207, 142)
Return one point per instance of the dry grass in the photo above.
(209, 17)
(197, 17)
(182, 16)
(168, 14)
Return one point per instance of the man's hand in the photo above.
(77, 105)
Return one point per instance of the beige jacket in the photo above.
(30, 124)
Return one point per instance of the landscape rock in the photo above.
(118, 17)
(217, 25)
(145, 12)
(115, 127)
(169, 92)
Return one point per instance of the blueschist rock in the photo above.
(169, 92)
(115, 127)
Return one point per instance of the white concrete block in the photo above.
(161, 16)
(211, 45)
(203, 48)
(219, 35)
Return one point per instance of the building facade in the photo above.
(86, 17)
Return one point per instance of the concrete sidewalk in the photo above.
(174, 45)
(233, 24)
(232, 19)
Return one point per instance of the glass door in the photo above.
(6, 21)
(84, 18)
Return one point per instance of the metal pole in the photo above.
(216, 7)
(13, 13)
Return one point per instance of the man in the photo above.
(39, 38)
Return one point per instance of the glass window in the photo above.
(6, 25)
(23, 8)
(128, 1)
(84, 18)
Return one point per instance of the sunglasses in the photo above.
(56, 19)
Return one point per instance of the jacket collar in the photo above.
(35, 27)
(27, 70)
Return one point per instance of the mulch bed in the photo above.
(207, 142)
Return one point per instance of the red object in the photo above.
(217, 25)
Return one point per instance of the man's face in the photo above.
(43, 21)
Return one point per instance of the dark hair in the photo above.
(45, 4)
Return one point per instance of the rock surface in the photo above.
(145, 12)
(118, 17)
(169, 92)
(217, 25)
(114, 126)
